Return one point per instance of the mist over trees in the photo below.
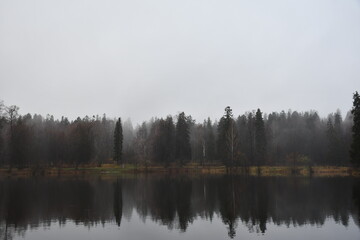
(251, 139)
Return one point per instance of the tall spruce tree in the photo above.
(182, 139)
(118, 142)
(227, 138)
(355, 145)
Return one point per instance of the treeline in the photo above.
(253, 138)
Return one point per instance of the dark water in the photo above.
(213, 207)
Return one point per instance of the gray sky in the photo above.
(142, 58)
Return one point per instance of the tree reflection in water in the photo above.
(177, 201)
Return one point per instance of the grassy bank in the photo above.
(113, 169)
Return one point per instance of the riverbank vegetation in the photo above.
(253, 139)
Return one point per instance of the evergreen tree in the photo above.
(118, 141)
(182, 139)
(227, 138)
(355, 146)
(260, 138)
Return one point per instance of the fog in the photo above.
(141, 59)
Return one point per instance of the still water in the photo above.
(181, 207)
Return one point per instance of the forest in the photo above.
(251, 139)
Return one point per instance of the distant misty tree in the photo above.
(182, 140)
(128, 150)
(118, 142)
(82, 141)
(210, 144)
(103, 130)
(332, 142)
(162, 141)
(241, 124)
(169, 138)
(355, 145)
(250, 137)
(336, 149)
(202, 142)
(260, 138)
(141, 143)
(11, 116)
(20, 143)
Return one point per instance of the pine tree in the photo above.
(118, 141)
(355, 146)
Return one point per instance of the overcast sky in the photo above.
(144, 58)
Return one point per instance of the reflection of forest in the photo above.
(176, 202)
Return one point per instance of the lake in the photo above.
(179, 207)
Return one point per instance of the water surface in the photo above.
(181, 207)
